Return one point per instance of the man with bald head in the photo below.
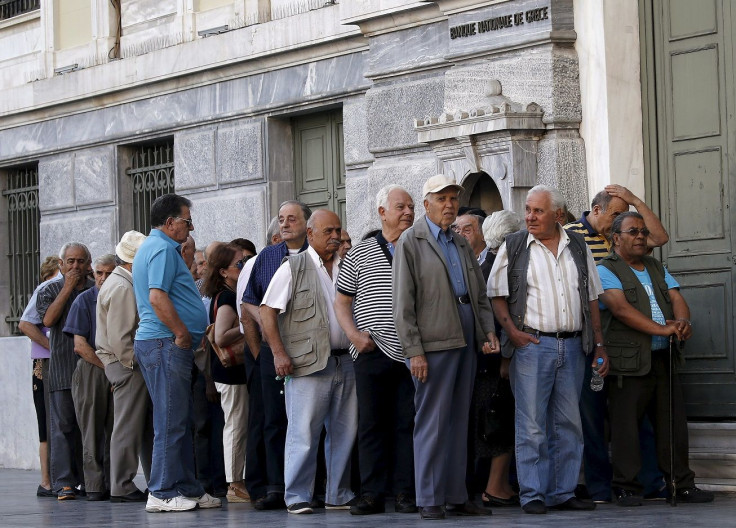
(310, 351)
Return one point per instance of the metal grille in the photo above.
(23, 240)
(152, 175)
(11, 8)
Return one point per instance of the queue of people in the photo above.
(428, 357)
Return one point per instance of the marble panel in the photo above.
(225, 215)
(19, 441)
(240, 152)
(393, 108)
(137, 11)
(194, 158)
(561, 164)
(96, 228)
(94, 176)
(411, 48)
(20, 41)
(56, 182)
(355, 130)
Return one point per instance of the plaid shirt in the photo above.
(266, 264)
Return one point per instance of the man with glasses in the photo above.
(172, 324)
(643, 311)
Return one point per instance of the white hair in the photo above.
(104, 260)
(273, 228)
(558, 201)
(382, 195)
(498, 225)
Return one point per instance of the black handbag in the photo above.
(497, 422)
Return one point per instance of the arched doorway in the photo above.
(481, 192)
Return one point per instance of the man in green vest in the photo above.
(643, 310)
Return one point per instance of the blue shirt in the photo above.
(82, 318)
(610, 281)
(452, 257)
(158, 264)
(264, 268)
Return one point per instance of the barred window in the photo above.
(24, 258)
(152, 175)
(12, 8)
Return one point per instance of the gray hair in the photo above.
(498, 225)
(273, 228)
(382, 195)
(602, 199)
(69, 245)
(306, 211)
(105, 260)
(558, 201)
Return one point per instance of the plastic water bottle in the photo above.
(596, 382)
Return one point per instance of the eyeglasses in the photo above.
(187, 220)
(635, 232)
(241, 263)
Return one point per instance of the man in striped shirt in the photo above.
(595, 226)
(383, 383)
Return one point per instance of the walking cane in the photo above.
(673, 484)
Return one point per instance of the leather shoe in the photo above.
(367, 505)
(134, 496)
(405, 504)
(467, 508)
(95, 496)
(534, 507)
(627, 498)
(573, 503)
(432, 513)
(491, 500)
(272, 501)
(44, 492)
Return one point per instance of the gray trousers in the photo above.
(65, 441)
(132, 433)
(93, 406)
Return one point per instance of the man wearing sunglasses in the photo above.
(642, 311)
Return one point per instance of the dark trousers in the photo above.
(255, 448)
(627, 405)
(66, 442)
(209, 456)
(274, 429)
(385, 425)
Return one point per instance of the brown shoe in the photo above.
(236, 495)
(432, 513)
(467, 508)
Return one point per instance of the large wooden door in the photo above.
(319, 161)
(689, 99)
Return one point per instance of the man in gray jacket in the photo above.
(441, 311)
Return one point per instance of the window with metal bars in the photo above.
(152, 175)
(24, 259)
(12, 8)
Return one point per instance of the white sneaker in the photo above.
(206, 501)
(173, 504)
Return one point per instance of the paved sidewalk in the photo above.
(19, 507)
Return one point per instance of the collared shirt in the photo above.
(553, 301)
(82, 318)
(482, 256)
(366, 275)
(266, 264)
(243, 279)
(158, 264)
(117, 319)
(278, 294)
(452, 257)
(598, 244)
(63, 360)
(30, 315)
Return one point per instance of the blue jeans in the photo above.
(546, 379)
(167, 370)
(326, 398)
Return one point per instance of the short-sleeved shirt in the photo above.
(30, 315)
(611, 282)
(63, 360)
(598, 244)
(264, 267)
(82, 318)
(230, 375)
(243, 280)
(158, 265)
(365, 275)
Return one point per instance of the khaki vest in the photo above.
(630, 351)
(304, 325)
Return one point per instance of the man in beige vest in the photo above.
(311, 352)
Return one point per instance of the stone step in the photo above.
(712, 436)
(713, 454)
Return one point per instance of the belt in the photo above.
(339, 351)
(463, 299)
(556, 335)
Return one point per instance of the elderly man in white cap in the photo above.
(117, 320)
(441, 312)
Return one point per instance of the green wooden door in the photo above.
(689, 87)
(319, 161)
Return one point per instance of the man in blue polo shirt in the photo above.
(172, 323)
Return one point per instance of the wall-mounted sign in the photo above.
(499, 23)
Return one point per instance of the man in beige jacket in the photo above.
(117, 320)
